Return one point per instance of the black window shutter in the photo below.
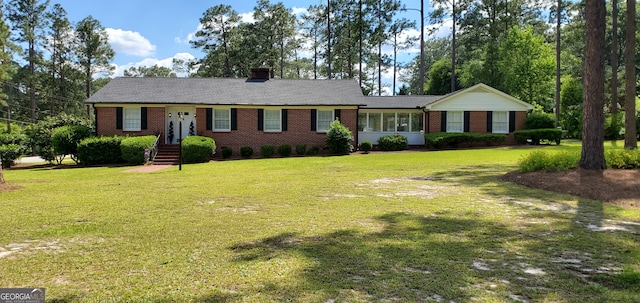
(336, 113)
(443, 121)
(209, 114)
(512, 121)
(489, 122)
(234, 119)
(261, 119)
(284, 120)
(314, 116)
(467, 124)
(118, 117)
(143, 118)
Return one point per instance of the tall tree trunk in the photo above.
(329, 39)
(453, 46)
(32, 80)
(361, 25)
(614, 57)
(592, 156)
(558, 52)
(1, 177)
(395, 61)
(630, 136)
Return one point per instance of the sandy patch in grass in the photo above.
(26, 247)
(30, 246)
(423, 187)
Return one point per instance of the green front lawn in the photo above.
(383, 227)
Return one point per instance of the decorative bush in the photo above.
(313, 150)
(393, 142)
(132, 148)
(623, 158)
(65, 139)
(541, 160)
(100, 150)
(9, 153)
(284, 150)
(301, 149)
(534, 136)
(366, 146)
(339, 138)
(540, 120)
(267, 150)
(226, 152)
(246, 152)
(197, 149)
(440, 140)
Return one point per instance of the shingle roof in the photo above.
(223, 91)
(405, 102)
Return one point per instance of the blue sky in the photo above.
(144, 32)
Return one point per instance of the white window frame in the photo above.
(500, 126)
(320, 124)
(214, 119)
(453, 125)
(132, 118)
(267, 119)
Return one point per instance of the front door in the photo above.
(174, 115)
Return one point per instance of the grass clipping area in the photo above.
(408, 227)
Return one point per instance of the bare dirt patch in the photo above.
(8, 187)
(616, 186)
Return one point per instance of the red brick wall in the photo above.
(106, 122)
(298, 130)
(477, 123)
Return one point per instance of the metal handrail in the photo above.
(154, 149)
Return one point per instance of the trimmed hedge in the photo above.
(227, 152)
(100, 150)
(246, 152)
(440, 140)
(366, 146)
(623, 158)
(301, 149)
(540, 121)
(197, 149)
(132, 148)
(267, 150)
(393, 142)
(284, 150)
(534, 136)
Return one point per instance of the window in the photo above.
(221, 120)
(389, 122)
(455, 122)
(132, 118)
(500, 122)
(362, 121)
(272, 120)
(417, 122)
(403, 122)
(324, 119)
(375, 122)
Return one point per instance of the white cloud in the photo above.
(148, 62)
(298, 11)
(130, 43)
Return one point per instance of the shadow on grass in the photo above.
(551, 254)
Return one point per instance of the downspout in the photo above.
(428, 122)
(95, 122)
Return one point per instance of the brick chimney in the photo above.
(261, 74)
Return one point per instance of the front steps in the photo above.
(168, 154)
